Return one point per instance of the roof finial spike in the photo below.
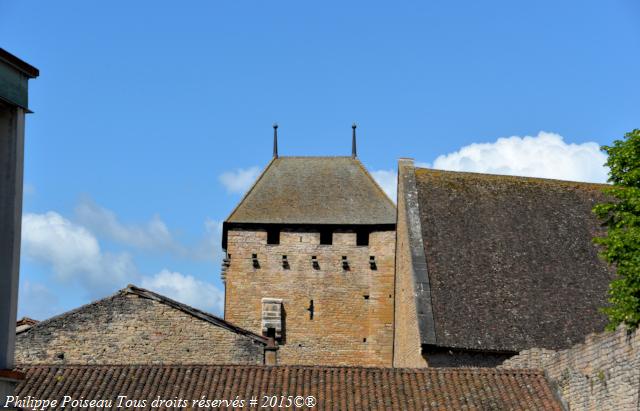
(354, 153)
(275, 140)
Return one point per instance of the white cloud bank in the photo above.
(186, 289)
(73, 253)
(152, 235)
(545, 155)
(239, 180)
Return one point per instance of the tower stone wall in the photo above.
(332, 313)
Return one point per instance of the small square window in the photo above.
(273, 236)
(326, 236)
(362, 237)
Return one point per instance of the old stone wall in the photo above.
(129, 329)
(352, 321)
(603, 373)
(407, 347)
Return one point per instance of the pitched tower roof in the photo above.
(315, 190)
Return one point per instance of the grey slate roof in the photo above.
(315, 190)
(510, 260)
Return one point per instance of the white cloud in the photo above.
(186, 289)
(36, 301)
(545, 155)
(209, 247)
(73, 252)
(28, 189)
(152, 235)
(388, 181)
(240, 179)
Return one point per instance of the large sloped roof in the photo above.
(352, 388)
(315, 190)
(510, 260)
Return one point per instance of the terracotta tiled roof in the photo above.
(511, 260)
(346, 388)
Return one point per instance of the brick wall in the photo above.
(603, 373)
(407, 348)
(353, 310)
(129, 329)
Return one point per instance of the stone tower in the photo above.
(310, 262)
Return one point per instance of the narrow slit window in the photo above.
(310, 309)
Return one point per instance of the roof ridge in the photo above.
(509, 177)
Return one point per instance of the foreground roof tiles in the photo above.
(351, 388)
(511, 260)
(315, 190)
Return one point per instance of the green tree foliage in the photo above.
(621, 245)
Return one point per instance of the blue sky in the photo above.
(152, 117)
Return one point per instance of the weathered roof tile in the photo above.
(511, 261)
(353, 388)
(315, 190)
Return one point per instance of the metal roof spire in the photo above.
(275, 140)
(353, 141)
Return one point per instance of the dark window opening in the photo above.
(366, 297)
(326, 236)
(315, 263)
(273, 236)
(364, 339)
(310, 309)
(285, 262)
(271, 333)
(362, 237)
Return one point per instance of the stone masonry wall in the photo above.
(352, 309)
(128, 329)
(603, 373)
(407, 348)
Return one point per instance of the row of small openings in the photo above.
(326, 237)
(315, 263)
(285, 262)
